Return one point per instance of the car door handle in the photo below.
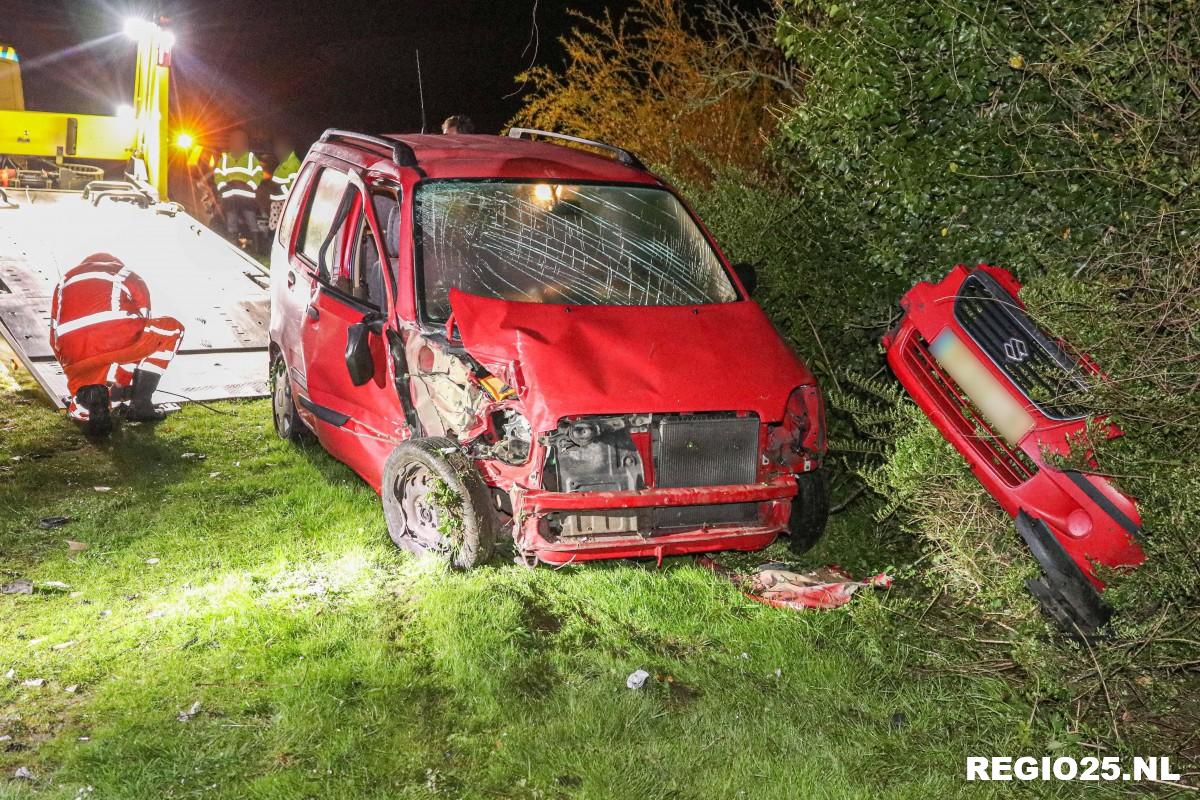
(313, 312)
(291, 278)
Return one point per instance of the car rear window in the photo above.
(562, 243)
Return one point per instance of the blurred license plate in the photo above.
(994, 401)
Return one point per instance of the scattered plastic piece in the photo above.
(23, 774)
(184, 716)
(21, 586)
(76, 547)
(46, 523)
(102, 488)
(33, 682)
(828, 587)
(64, 645)
(637, 679)
(151, 561)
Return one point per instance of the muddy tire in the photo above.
(287, 421)
(810, 511)
(437, 504)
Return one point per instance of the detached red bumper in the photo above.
(535, 507)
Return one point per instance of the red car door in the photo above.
(358, 424)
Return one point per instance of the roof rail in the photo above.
(624, 156)
(402, 154)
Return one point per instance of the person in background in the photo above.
(283, 178)
(459, 123)
(108, 345)
(238, 173)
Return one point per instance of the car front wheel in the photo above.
(810, 511)
(436, 503)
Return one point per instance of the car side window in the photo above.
(386, 204)
(319, 218)
(294, 203)
(367, 276)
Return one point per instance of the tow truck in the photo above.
(75, 184)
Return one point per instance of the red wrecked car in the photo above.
(1005, 394)
(501, 334)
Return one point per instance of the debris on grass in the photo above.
(194, 456)
(46, 523)
(74, 548)
(152, 561)
(54, 586)
(102, 488)
(19, 586)
(74, 687)
(776, 585)
(637, 679)
(184, 716)
(23, 774)
(33, 683)
(64, 645)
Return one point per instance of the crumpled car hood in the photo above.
(575, 360)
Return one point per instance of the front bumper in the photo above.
(533, 505)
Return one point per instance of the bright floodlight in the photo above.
(136, 27)
(166, 40)
(125, 111)
(184, 141)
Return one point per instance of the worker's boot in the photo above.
(141, 406)
(95, 399)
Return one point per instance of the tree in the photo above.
(688, 94)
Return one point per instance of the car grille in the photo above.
(1010, 464)
(704, 450)
(1033, 362)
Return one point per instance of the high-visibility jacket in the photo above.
(101, 330)
(238, 176)
(284, 177)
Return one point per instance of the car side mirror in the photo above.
(359, 361)
(748, 275)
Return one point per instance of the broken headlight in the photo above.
(798, 441)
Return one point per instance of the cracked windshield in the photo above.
(564, 244)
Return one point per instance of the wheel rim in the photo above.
(282, 397)
(419, 514)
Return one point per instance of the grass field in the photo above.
(251, 583)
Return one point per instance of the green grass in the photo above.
(327, 664)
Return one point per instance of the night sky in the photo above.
(295, 65)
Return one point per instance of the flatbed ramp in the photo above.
(218, 292)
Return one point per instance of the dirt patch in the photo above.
(541, 620)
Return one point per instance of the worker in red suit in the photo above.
(109, 346)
